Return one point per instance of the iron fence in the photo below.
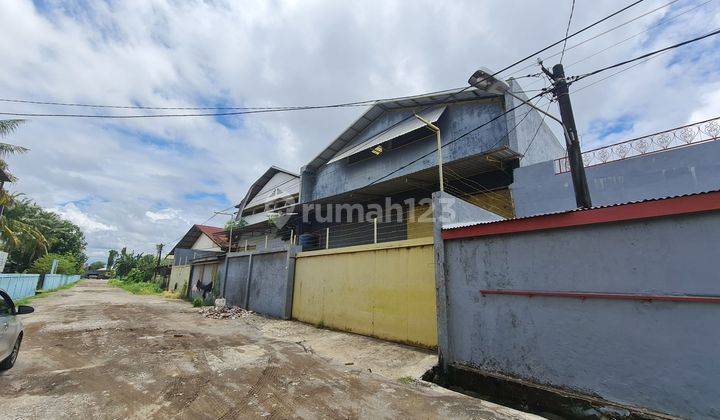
(699, 132)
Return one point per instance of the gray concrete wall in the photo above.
(184, 256)
(537, 189)
(531, 135)
(658, 355)
(236, 280)
(261, 281)
(268, 284)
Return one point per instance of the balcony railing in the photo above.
(699, 132)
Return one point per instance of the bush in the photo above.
(136, 276)
(136, 288)
(198, 302)
(66, 265)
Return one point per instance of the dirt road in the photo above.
(97, 351)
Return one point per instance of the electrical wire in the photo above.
(661, 23)
(650, 54)
(244, 111)
(271, 108)
(542, 120)
(451, 142)
(600, 34)
(567, 30)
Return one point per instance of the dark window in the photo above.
(6, 304)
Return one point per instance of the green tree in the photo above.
(135, 268)
(45, 232)
(111, 258)
(235, 224)
(20, 235)
(66, 264)
(96, 265)
(6, 149)
(126, 262)
(15, 234)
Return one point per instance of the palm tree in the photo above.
(6, 149)
(16, 232)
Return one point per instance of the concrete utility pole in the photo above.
(158, 248)
(577, 168)
(485, 79)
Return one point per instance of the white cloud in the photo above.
(72, 213)
(135, 174)
(163, 215)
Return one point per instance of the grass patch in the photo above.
(406, 380)
(137, 288)
(171, 295)
(43, 293)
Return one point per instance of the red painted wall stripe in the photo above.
(610, 296)
(623, 212)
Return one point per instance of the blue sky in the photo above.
(135, 183)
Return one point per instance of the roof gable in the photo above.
(261, 182)
(381, 107)
(216, 234)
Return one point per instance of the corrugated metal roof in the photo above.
(467, 224)
(404, 127)
(260, 183)
(216, 234)
(380, 107)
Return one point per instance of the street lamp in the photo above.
(484, 79)
(436, 129)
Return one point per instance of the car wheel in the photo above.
(10, 360)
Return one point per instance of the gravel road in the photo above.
(97, 351)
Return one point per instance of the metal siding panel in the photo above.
(404, 127)
(387, 293)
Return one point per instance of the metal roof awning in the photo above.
(407, 126)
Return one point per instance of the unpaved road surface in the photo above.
(95, 351)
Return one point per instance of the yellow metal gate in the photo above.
(384, 290)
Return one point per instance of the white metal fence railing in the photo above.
(686, 135)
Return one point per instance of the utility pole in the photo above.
(158, 248)
(577, 168)
(233, 218)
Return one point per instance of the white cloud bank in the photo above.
(72, 213)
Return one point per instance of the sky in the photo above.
(139, 182)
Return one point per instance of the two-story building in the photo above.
(266, 209)
(388, 158)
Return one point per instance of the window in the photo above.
(6, 304)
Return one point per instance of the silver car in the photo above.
(11, 330)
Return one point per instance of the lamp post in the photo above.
(484, 79)
(158, 249)
(233, 216)
(436, 129)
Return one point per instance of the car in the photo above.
(11, 330)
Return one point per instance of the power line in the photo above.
(572, 11)
(455, 140)
(542, 120)
(600, 34)
(281, 109)
(513, 65)
(268, 108)
(616, 73)
(622, 63)
(661, 23)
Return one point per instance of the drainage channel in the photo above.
(549, 402)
